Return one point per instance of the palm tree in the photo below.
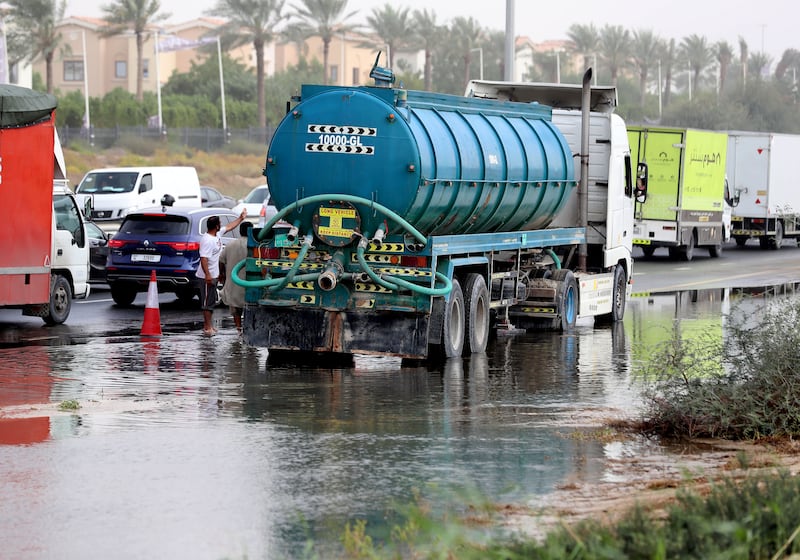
(34, 21)
(323, 18)
(426, 32)
(646, 48)
(122, 15)
(695, 48)
(724, 54)
(392, 26)
(251, 21)
(585, 39)
(757, 63)
(465, 32)
(615, 48)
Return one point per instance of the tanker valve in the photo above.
(291, 235)
(377, 238)
(333, 271)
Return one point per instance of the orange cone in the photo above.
(151, 326)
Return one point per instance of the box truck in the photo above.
(763, 169)
(44, 260)
(686, 206)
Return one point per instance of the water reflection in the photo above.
(193, 447)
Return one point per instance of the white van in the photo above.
(120, 190)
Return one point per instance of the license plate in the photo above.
(146, 258)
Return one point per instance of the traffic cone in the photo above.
(151, 326)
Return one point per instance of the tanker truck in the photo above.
(418, 224)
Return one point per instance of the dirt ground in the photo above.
(653, 481)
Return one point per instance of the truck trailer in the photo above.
(762, 171)
(44, 247)
(686, 205)
(419, 224)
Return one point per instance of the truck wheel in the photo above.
(687, 251)
(618, 293)
(776, 242)
(476, 314)
(453, 326)
(60, 301)
(123, 294)
(567, 299)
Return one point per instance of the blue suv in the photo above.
(164, 239)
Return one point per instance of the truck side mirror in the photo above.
(88, 208)
(640, 190)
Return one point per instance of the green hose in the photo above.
(392, 283)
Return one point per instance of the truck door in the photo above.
(661, 151)
(70, 245)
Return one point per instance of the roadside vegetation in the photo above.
(745, 388)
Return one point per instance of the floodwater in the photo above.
(189, 447)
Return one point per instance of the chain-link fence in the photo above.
(206, 139)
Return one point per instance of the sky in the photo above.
(766, 25)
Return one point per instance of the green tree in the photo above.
(585, 40)
(426, 32)
(615, 48)
(255, 22)
(283, 85)
(135, 15)
(393, 26)
(33, 33)
(323, 18)
(646, 49)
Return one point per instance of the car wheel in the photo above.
(123, 293)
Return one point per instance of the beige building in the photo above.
(90, 61)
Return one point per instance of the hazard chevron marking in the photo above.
(340, 149)
(333, 129)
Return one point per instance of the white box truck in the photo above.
(763, 168)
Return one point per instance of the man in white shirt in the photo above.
(208, 273)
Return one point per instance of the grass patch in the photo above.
(69, 405)
(746, 387)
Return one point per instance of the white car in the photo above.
(253, 202)
(268, 210)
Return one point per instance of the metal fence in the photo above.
(206, 139)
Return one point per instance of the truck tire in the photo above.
(618, 294)
(476, 314)
(123, 293)
(687, 251)
(60, 301)
(776, 241)
(453, 325)
(567, 300)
